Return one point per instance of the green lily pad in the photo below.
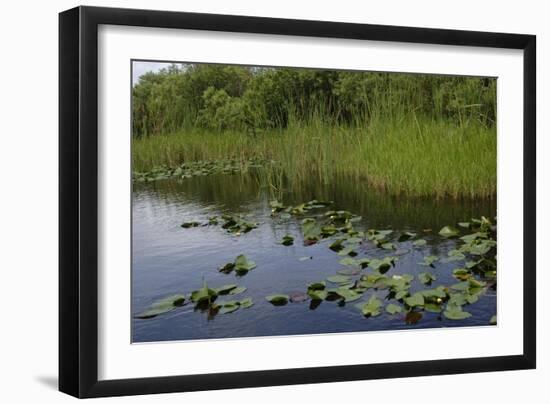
(393, 308)
(493, 320)
(246, 303)
(287, 240)
(372, 307)
(317, 286)
(225, 289)
(162, 306)
(243, 265)
(338, 279)
(237, 290)
(415, 300)
(426, 278)
(228, 307)
(448, 232)
(278, 300)
(429, 261)
(420, 242)
(348, 295)
(454, 312)
(406, 236)
(204, 294)
(305, 258)
(317, 294)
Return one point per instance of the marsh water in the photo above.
(168, 259)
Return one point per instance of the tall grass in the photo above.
(415, 156)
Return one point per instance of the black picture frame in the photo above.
(78, 201)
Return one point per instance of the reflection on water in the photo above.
(168, 259)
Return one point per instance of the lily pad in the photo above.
(237, 290)
(338, 279)
(243, 264)
(278, 300)
(455, 312)
(406, 236)
(372, 307)
(393, 308)
(246, 303)
(228, 307)
(493, 320)
(317, 286)
(205, 294)
(298, 297)
(317, 294)
(420, 242)
(287, 240)
(415, 300)
(448, 232)
(413, 317)
(429, 260)
(305, 258)
(426, 278)
(162, 306)
(348, 295)
(225, 289)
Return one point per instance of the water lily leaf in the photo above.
(461, 274)
(465, 225)
(237, 290)
(426, 278)
(413, 317)
(225, 289)
(372, 307)
(205, 294)
(278, 300)
(350, 271)
(406, 236)
(493, 320)
(433, 307)
(276, 206)
(388, 246)
(227, 268)
(337, 245)
(419, 243)
(242, 263)
(448, 232)
(285, 216)
(228, 307)
(287, 240)
(188, 225)
(462, 286)
(429, 261)
(348, 251)
(415, 300)
(401, 294)
(317, 286)
(246, 303)
(454, 312)
(305, 258)
(162, 306)
(338, 279)
(348, 295)
(437, 293)
(393, 308)
(317, 294)
(348, 261)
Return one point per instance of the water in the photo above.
(168, 259)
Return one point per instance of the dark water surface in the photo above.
(168, 259)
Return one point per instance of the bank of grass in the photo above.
(415, 157)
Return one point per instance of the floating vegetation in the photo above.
(163, 306)
(242, 265)
(199, 168)
(408, 296)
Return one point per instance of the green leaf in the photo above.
(237, 290)
(338, 279)
(426, 278)
(429, 260)
(348, 261)
(415, 300)
(372, 307)
(317, 294)
(246, 303)
(493, 320)
(225, 289)
(305, 258)
(454, 312)
(348, 295)
(406, 236)
(243, 265)
(448, 232)
(287, 240)
(278, 300)
(228, 307)
(393, 308)
(420, 242)
(204, 295)
(162, 306)
(317, 286)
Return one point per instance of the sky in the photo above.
(140, 68)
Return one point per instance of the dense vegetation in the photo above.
(420, 135)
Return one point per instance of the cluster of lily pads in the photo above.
(233, 224)
(359, 277)
(199, 168)
(204, 299)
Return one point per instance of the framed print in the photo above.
(251, 201)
